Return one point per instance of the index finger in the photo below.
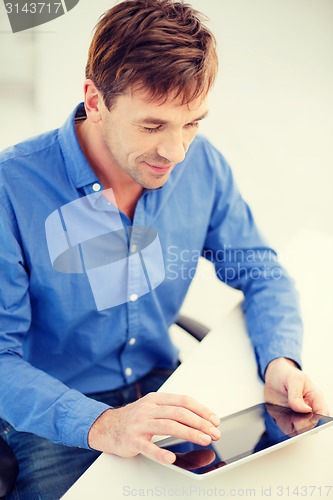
(184, 401)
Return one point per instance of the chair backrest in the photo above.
(192, 326)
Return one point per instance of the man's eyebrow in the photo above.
(204, 115)
(157, 121)
(153, 121)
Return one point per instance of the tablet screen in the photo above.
(244, 434)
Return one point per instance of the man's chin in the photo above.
(159, 186)
(155, 183)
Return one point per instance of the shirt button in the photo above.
(132, 341)
(133, 248)
(96, 187)
(128, 372)
(134, 297)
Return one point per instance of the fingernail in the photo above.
(215, 420)
(205, 439)
(169, 459)
(215, 433)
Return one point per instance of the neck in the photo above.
(125, 189)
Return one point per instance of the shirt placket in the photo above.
(136, 287)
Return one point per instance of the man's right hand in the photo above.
(127, 431)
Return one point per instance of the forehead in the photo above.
(140, 102)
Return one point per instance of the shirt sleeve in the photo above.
(30, 399)
(245, 261)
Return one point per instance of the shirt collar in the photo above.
(77, 165)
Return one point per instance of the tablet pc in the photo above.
(245, 435)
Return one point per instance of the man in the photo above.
(95, 219)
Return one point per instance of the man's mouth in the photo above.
(160, 169)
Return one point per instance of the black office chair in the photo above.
(192, 326)
(8, 463)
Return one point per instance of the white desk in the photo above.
(222, 373)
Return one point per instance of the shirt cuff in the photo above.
(289, 351)
(82, 413)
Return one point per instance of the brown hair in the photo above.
(158, 45)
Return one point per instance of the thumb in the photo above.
(296, 400)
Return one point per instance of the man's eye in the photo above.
(151, 130)
(192, 125)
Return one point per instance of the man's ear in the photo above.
(92, 101)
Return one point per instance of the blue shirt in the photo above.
(87, 296)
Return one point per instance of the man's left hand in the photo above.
(287, 385)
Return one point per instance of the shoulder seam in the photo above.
(13, 156)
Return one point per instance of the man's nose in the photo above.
(172, 147)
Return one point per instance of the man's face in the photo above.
(146, 139)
